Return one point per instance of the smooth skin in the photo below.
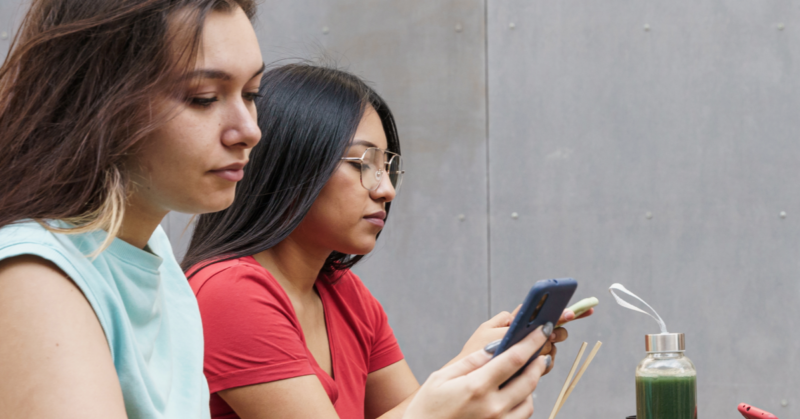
(336, 221)
(54, 357)
(470, 389)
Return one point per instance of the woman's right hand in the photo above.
(470, 388)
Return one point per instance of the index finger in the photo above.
(502, 367)
(587, 313)
(568, 316)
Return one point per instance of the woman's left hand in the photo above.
(489, 331)
(560, 334)
(496, 327)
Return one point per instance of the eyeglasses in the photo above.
(376, 162)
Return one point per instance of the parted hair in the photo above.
(308, 115)
(79, 89)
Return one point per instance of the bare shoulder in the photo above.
(27, 273)
(53, 353)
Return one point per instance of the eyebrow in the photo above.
(219, 74)
(363, 142)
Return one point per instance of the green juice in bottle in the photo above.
(666, 380)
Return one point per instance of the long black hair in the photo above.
(308, 116)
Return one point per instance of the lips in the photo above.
(233, 172)
(376, 218)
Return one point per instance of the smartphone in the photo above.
(545, 302)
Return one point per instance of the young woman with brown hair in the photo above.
(112, 114)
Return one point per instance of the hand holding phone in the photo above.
(544, 303)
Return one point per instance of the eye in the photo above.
(251, 96)
(356, 164)
(203, 102)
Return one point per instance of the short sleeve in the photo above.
(251, 334)
(385, 350)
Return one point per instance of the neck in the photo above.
(295, 266)
(139, 222)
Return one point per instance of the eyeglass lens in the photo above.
(395, 170)
(374, 165)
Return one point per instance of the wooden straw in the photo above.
(566, 383)
(580, 373)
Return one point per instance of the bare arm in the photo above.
(389, 391)
(298, 397)
(54, 358)
(304, 397)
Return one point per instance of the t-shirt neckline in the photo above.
(323, 296)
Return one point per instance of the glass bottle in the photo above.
(666, 380)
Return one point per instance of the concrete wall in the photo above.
(642, 142)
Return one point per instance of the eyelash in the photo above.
(206, 102)
(250, 96)
(203, 101)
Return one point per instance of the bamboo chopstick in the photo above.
(566, 383)
(580, 373)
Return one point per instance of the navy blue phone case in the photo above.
(545, 302)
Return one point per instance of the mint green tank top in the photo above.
(146, 308)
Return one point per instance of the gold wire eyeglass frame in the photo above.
(390, 158)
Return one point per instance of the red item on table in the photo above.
(751, 412)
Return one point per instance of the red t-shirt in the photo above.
(252, 334)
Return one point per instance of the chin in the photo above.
(208, 204)
(359, 248)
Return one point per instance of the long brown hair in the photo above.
(79, 89)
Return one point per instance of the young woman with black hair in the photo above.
(112, 114)
(290, 331)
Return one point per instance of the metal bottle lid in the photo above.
(665, 342)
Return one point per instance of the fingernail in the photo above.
(548, 361)
(547, 329)
(492, 346)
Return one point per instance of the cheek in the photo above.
(166, 155)
(187, 138)
(339, 206)
(172, 162)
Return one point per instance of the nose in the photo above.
(385, 191)
(241, 127)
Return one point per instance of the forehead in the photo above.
(229, 43)
(370, 131)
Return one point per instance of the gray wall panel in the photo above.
(11, 13)
(594, 122)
